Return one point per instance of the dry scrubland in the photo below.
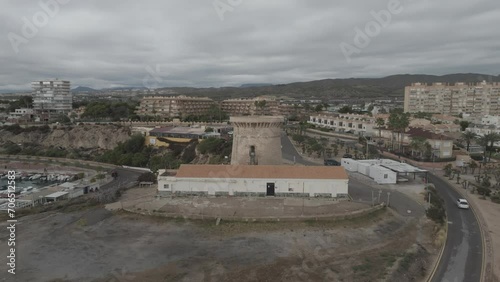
(94, 244)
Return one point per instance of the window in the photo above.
(166, 186)
(385, 176)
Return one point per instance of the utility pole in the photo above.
(372, 199)
(366, 147)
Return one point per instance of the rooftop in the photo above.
(262, 171)
(419, 132)
(56, 194)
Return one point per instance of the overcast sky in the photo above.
(190, 43)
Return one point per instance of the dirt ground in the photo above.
(143, 199)
(33, 167)
(99, 245)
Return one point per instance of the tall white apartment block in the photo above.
(475, 99)
(52, 96)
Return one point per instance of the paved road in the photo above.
(462, 256)
(288, 151)
(359, 191)
(402, 204)
(126, 178)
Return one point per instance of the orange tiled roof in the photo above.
(262, 171)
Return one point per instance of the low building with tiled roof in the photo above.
(442, 145)
(254, 180)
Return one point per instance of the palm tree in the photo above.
(380, 123)
(398, 122)
(487, 141)
(417, 145)
(468, 137)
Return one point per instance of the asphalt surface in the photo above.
(462, 256)
(126, 178)
(359, 191)
(289, 153)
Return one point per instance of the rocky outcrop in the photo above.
(72, 137)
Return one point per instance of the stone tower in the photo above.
(257, 140)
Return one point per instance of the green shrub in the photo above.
(484, 191)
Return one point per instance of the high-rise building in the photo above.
(52, 96)
(174, 106)
(453, 99)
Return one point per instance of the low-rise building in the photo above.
(162, 137)
(348, 123)
(169, 107)
(254, 180)
(383, 171)
(260, 106)
(21, 115)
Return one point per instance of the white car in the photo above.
(462, 203)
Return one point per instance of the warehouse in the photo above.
(254, 181)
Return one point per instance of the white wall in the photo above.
(383, 175)
(364, 168)
(243, 185)
(349, 164)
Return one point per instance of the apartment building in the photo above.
(52, 96)
(249, 107)
(348, 123)
(173, 106)
(453, 99)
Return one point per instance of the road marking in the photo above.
(450, 222)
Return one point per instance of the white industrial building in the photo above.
(252, 180)
(383, 171)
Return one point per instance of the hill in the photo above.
(390, 86)
(83, 89)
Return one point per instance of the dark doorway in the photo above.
(270, 189)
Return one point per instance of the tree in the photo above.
(380, 122)
(487, 141)
(473, 165)
(299, 138)
(318, 108)
(345, 110)
(417, 145)
(464, 124)
(468, 137)
(398, 122)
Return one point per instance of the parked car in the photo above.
(347, 156)
(462, 203)
(332, 162)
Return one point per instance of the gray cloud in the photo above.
(111, 43)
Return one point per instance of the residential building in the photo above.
(174, 106)
(21, 115)
(453, 99)
(442, 145)
(259, 106)
(162, 137)
(52, 97)
(347, 123)
(255, 181)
